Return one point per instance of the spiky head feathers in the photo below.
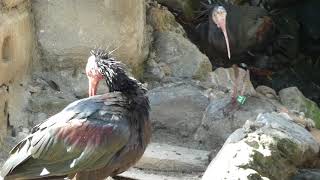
(114, 72)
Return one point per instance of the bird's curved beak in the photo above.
(93, 86)
(220, 20)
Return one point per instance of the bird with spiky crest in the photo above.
(91, 138)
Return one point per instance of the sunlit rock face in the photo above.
(16, 52)
(67, 30)
(263, 146)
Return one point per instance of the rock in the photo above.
(163, 157)
(49, 104)
(163, 20)
(11, 3)
(52, 94)
(67, 30)
(187, 7)
(295, 100)
(307, 174)
(316, 134)
(135, 173)
(76, 83)
(17, 46)
(221, 118)
(267, 91)
(225, 78)
(175, 56)
(177, 107)
(304, 75)
(271, 147)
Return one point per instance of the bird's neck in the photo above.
(125, 84)
(138, 104)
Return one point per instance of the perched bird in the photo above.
(94, 138)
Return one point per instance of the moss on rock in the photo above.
(313, 111)
(283, 151)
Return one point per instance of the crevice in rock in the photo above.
(7, 50)
(10, 128)
(5, 109)
(5, 87)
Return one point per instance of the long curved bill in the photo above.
(221, 23)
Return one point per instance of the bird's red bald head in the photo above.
(219, 17)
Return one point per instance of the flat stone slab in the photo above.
(164, 157)
(137, 174)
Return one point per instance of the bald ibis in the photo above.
(95, 137)
(230, 29)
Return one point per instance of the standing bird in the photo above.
(94, 138)
(233, 29)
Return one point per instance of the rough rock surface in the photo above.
(162, 20)
(226, 78)
(295, 100)
(221, 118)
(163, 157)
(66, 34)
(172, 55)
(271, 147)
(177, 107)
(175, 56)
(16, 53)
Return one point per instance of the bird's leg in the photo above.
(236, 82)
(232, 105)
(244, 82)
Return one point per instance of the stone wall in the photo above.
(16, 52)
(67, 30)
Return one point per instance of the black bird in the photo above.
(94, 138)
(231, 29)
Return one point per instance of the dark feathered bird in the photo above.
(230, 29)
(94, 137)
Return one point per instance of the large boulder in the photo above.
(67, 30)
(175, 56)
(162, 20)
(271, 147)
(295, 100)
(172, 55)
(177, 107)
(222, 118)
(226, 78)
